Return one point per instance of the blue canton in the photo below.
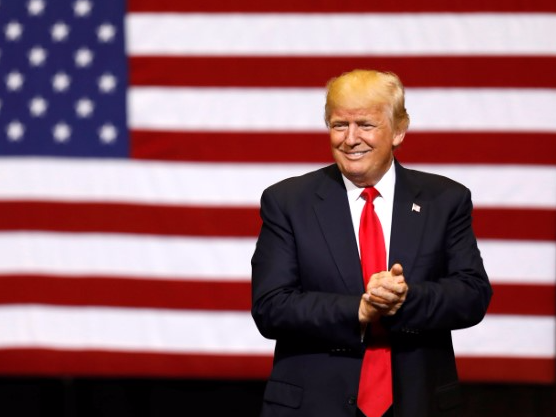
(63, 78)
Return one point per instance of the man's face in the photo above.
(362, 142)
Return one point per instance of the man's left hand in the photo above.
(387, 290)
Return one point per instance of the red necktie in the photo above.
(375, 384)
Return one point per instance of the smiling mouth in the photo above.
(355, 155)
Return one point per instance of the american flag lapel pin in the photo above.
(416, 207)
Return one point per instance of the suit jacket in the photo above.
(307, 285)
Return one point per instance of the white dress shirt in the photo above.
(384, 204)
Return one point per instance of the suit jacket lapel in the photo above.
(408, 220)
(333, 213)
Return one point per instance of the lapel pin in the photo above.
(416, 208)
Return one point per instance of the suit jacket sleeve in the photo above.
(297, 293)
(448, 285)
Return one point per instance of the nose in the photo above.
(352, 137)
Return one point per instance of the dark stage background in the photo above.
(31, 397)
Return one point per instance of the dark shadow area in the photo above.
(34, 397)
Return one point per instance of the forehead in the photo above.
(347, 113)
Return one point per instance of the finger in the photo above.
(377, 276)
(394, 285)
(385, 295)
(396, 269)
(377, 299)
(397, 288)
(370, 298)
(382, 307)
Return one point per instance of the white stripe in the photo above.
(519, 262)
(483, 109)
(237, 184)
(502, 185)
(156, 330)
(213, 258)
(140, 182)
(301, 109)
(341, 34)
(129, 329)
(513, 336)
(126, 255)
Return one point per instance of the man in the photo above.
(308, 281)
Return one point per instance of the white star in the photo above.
(61, 132)
(107, 83)
(82, 8)
(13, 30)
(35, 7)
(14, 80)
(37, 56)
(61, 82)
(108, 133)
(84, 107)
(15, 131)
(59, 31)
(106, 32)
(83, 57)
(38, 106)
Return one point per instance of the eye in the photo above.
(339, 126)
(366, 126)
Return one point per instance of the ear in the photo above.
(398, 139)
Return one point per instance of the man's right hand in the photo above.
(386, 292)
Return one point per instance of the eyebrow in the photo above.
(358, 121)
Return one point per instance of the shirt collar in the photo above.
(385, 186)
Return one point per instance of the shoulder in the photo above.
(434, 183)
(305, 184)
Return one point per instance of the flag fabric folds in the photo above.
(136, 138)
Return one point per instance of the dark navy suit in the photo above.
(307, 286)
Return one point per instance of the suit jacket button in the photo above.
(352, 400)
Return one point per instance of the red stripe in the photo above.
(239, 147)
(489, 223)
(44, 362)
(129, 218)
(341, 6)
(286, 147)
(531, 300)
(534, 300)
(523, 370)
(499, 223)
(460, 71)
(124, 292)
(478, 148)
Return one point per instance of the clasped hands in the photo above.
(385, 294)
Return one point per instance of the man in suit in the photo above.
(307, 280)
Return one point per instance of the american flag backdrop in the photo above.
(136, 138)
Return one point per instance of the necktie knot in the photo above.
(369, 194)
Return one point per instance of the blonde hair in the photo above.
(368, 88)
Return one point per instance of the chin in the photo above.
(351, 170)
(355, 177)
